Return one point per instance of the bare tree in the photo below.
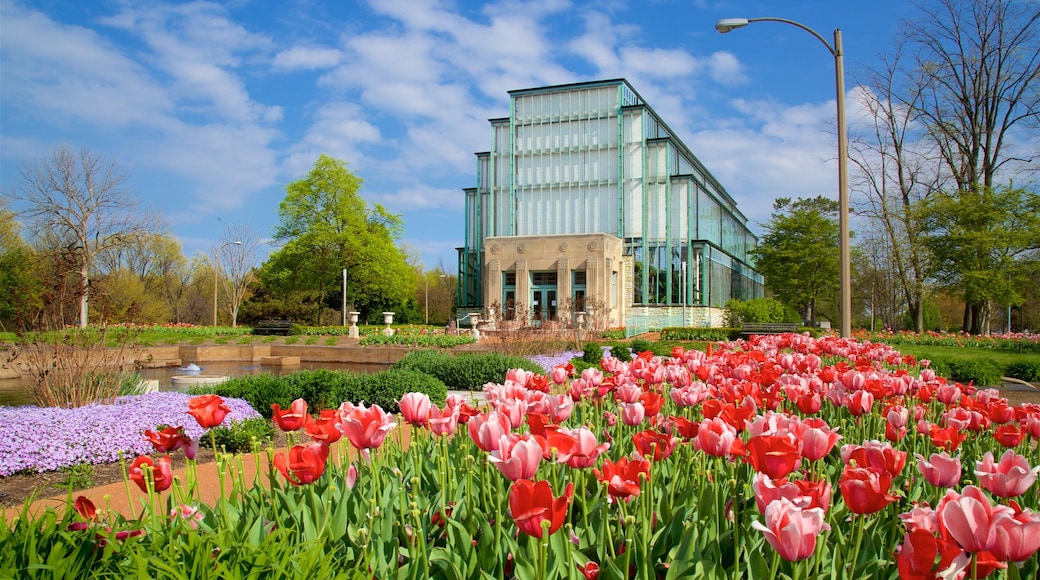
(236, 254)
(79, 201)
(978, 65)
(897, 167)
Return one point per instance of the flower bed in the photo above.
(48, 438)
(779, 457)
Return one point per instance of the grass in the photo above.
(1002, 358)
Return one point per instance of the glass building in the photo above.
(588, 202)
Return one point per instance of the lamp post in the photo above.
(727, 24)
(215, 252)
(428, 297)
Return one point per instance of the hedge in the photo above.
(465, 372)
(325, 389)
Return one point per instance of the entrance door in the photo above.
(543, 304)
(543, 296)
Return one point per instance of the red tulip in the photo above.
(1010, 477)
(589, 571)
(623, 478)
(918, 552)
(323, 429)
(517, 456)
(860, 403)
(167, 439)
(940, 469)
(85, 508)
(531, 503)
(415, 408)
(684, 427)
(654, 444)
(791, 530)
(304, 463)
(161, 475)
(208, 410)
(865, 490)
(876, 454)
(948, 438)
(818, 492)
(290, 419)
(1009, 435)
(773, 455)
(365, 428)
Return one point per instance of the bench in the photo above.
(270, 327)
(749, 328)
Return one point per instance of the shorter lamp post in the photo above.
(215, 252)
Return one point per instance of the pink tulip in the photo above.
(364, 427)
(715, 437)
(444, 422)
(560, 374)
(1016, 538)
(486, 429)
(517, 456)
(632, 413)
(767, 491)
(577, 448)
(1011, 477)
(968, 518)
(791, 530)
(817, 439)
(940, 469)
(560, 407)
(415, 408)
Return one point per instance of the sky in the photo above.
(212, 108)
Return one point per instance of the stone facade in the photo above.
(597, 256)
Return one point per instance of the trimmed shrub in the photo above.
(465, 372)
(639, 345)
(701, 334)
(592, 353)
(1028, 371)
(239, 437)
(621, 352)
(325, 389)
(980, 372)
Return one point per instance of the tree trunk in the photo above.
(84, 287)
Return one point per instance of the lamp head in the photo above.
(727, 24)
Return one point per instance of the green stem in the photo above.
(854, 562)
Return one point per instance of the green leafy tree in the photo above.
(980, 242)
(798, 255)
(21, 292)
(326, 226)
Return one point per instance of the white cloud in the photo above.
(419, 196)
(305, 58)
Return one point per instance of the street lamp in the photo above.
(727, 24)
(215, 252)
(428, 296)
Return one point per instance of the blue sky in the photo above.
(213, 107)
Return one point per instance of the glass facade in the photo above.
(595, 158)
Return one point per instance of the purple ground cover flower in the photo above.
(549, 361)
(49, 438)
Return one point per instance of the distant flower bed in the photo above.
(1012, 341)
(49, 438)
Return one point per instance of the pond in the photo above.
(13, 392)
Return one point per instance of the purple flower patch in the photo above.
(49, 438)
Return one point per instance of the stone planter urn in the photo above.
(474, 320)
(388, 319)
(353, 332)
